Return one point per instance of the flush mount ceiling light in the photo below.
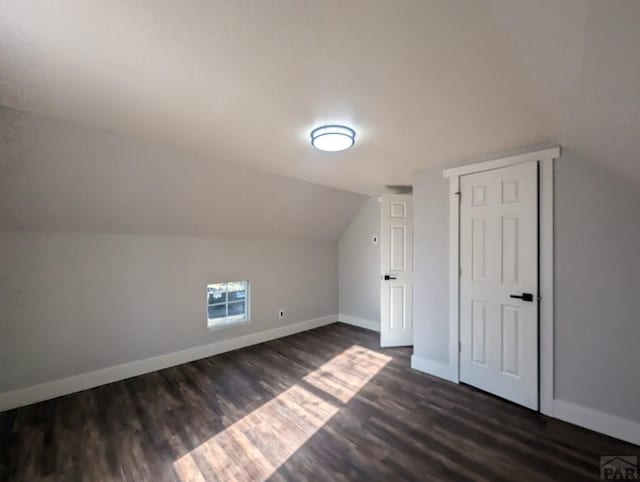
(333, 138)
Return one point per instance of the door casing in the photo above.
(545, 159)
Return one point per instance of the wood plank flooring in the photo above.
(326, 404)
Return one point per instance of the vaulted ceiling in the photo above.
(423, 82)
(61, 177)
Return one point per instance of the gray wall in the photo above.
(73, 303)
(107, 244)
(597, 281)
(431, 261)
(359, 264)
(597, 274)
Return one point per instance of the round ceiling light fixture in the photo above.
(333, 138)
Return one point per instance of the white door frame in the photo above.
(545, 158)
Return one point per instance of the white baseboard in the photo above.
(435, 368)
(620, 428)
(614, 426)
(361, 322)
(76, 383)
(597, 421)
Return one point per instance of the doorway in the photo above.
(396, 264)
(544, 159)
(499, 282)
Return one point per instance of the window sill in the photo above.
(226, 324)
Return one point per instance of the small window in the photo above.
(227, 303)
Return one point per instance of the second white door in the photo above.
(499, 282)
(396, 297)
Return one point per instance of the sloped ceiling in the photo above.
(245, 80)
(57, 176)
(424, 82)
(582, 58)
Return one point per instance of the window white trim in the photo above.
(213, 325)
(545, 158)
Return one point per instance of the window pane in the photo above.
(217, 311)
(237, 291)
(236, 285)
(216, 293)
(236, 308)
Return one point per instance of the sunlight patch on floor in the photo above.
(345, 374)
(255, 446)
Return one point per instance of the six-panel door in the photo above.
(396, 297)
(499, 260)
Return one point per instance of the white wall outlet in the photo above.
(281, 313)
(374, 239)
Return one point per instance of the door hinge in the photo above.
(459, 347)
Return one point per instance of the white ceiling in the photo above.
(423, 82)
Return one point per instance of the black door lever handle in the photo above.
(387, 277)
(523, 297)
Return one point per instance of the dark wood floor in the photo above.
(327, 404)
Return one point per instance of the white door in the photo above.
(396, 300)
(499, 282)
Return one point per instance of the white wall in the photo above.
(359, 265)
(73, 303)
(597, 281)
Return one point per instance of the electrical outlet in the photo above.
(281, 313)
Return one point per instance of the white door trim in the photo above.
(538, 155)
(545, 158)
